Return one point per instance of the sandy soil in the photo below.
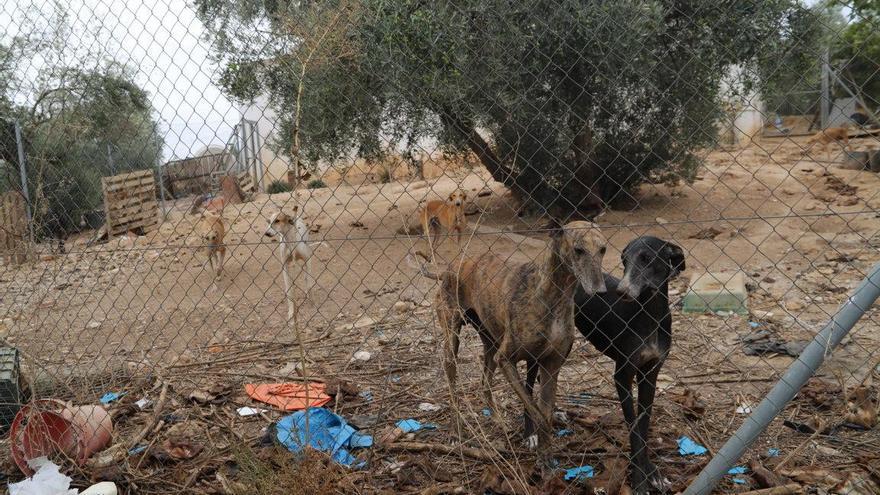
(805, 233)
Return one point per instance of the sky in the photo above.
(163, 43)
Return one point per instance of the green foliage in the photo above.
(316, 184)
(278, 186)
(566, 102)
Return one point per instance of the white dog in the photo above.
(293, 239)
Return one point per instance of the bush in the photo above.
(316, 184)
(278, 186)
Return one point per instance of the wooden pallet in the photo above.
(130, 202)
(14, 242)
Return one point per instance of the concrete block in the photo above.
(715, 292)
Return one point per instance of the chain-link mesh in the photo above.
(362, 246)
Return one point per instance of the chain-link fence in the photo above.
(362, 246)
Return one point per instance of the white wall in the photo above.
(274, 166)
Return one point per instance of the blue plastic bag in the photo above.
(579, 473)
(686, 446)
(327, 432)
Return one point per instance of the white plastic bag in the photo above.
(47, 480)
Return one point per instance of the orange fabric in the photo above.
(288, 396)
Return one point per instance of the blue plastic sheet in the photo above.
(327, 432)
(738, 470)
(579, 473)
(686, 446)
(412, 425)
(110, 397)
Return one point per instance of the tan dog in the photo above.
(828, 136)
(293, 244)
(522, 312)
(448, 214)
(215, 232)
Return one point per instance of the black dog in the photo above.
(631, 324)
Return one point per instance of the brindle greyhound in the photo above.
(522, 312)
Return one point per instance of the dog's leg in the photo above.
(647, 384)
(623, 381)
(508, 368)
(531, 375)
(221, 258)
(288, 289)
(451, 321)
(489, 351)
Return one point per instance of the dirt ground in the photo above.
(804, 232)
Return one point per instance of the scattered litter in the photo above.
(738, 470)
(137, 450)
(764, 342)
(47, 480)
(326, 432)
(289, 396)
(412, 425)
(178, 448)
(94, 324)
(564, 432)
(215, 394)
(110, 397)
(754, 324)
(395, 378)
(560, 416)
(579, 473)
(143, 403)
(739, 481)
(428, 407)
(102, 488)
(686, 446)
(772, 452)
(249, 411)
(366, 395)
(743, 409)
(362, 356)
(487, 412)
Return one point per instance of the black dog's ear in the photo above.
(676, 259)
(554, 228)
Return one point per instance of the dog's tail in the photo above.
(421, 266)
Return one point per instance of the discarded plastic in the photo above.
(428, 407)
(110, 397)
(137, 450)
(738, 470)
(487, 412)
(772, 452)
(564, 432)
(249, 411)
(739, 481)
(412, 425)
(143, 403)
(686, 446)
(743, 409)
(366, 395)
(326, 432)
(47, 480)
(579, 473)
(362, 356)
(102, 488)
(289, 396)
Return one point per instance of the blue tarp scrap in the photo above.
(686, 446)
(564, 432)
(772, 452)
(327, 432)
(110, 397)
(738, 470)
(412, 425)
(579, 473)
(487, 412)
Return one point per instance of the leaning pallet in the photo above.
(14, 245)
(130, 202)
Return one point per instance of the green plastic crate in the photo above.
(717, 292)
(10, 387)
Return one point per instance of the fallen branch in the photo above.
(777, 490)
(157, 412)
(436, 448)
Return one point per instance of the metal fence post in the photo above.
(825, 97)
(22, 169)
(791, 382)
